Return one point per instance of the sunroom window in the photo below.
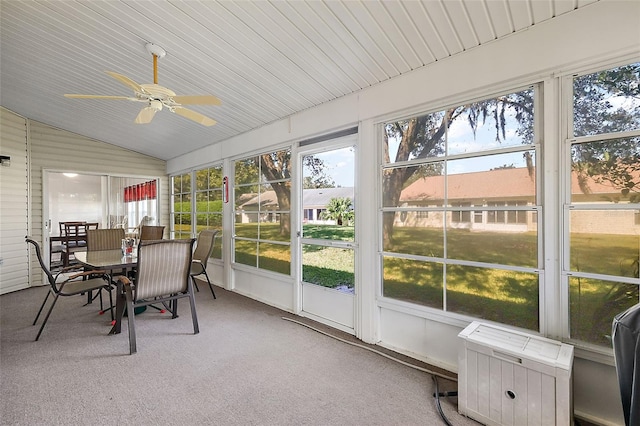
(181, 206)
(473, 168)
(262, 229)
(602, 234)
(208, 195)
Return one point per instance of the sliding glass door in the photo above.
(111, 201)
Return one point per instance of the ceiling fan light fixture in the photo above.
(155, 104)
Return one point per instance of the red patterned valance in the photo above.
(140, 192)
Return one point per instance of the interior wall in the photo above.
(13, 202)
(601, 33)
(46, 147)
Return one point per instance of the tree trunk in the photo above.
(273, 170)
(415, 137)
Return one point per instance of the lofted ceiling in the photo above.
(265, 60)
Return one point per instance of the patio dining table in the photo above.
(110, 260)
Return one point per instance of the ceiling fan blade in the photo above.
(195, 116)
(99, 97)
(197, 100)
(146, 115)
(126, 81)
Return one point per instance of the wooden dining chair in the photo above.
(58, 244)
(78, 283)
(75, 234)
(162, 277)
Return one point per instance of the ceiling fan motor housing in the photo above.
(155, 104)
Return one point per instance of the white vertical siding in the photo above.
(51, 148)
(13, 203)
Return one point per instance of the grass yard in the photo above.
(509, 297)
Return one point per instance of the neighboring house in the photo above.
(264, 207)
(502, 189)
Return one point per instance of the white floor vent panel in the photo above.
(506, 377)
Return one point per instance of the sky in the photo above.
(339, 165)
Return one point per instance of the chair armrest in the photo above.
(124, 280)
(85, 273)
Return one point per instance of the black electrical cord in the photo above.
(438, 406)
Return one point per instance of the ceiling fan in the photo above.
(158, 97)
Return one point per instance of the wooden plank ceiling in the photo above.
(265, 60)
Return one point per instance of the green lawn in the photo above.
(507, 297)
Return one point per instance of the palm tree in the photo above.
(338, 209)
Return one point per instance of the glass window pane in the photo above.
(267, 198)
(215, 177)
(186, 183)
(330, 267)
(246, 195)
(606, 172)
(276, 166)
(605, 101)
(202, 202)
(413, 281)
(502, 176)
(202, 179)
(246, 252)
(202, 220)
(499, 247)
(593, 304)
(275, 226)
(214, 221)
(507, 297)
(249, 226)
(246, 171)
(182, 224)
(604, 242)
(415, 137)
(492, 124)
(412, 235)
(201, 196)
(415, 186)
(328, 232)
(275, 257)
(215, 195)
(217, 245)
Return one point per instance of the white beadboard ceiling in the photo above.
(265, 60)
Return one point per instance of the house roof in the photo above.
(495, 184)
(311, 198)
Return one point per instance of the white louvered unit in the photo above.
(506, 377)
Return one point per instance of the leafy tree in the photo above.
(318, 182)
(339, 209)
(614, 161)
(276, 167)
(424, 137)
